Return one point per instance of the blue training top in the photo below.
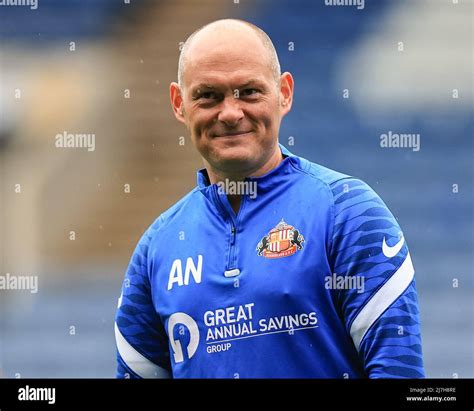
(311, 279)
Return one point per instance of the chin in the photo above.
(234, 159)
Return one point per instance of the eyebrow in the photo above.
(208, 86)
(203, 86)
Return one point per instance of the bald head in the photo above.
(231, 30)
(232, 98)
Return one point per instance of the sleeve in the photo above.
(380, 313)
(142, 344)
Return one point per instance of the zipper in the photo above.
(230, 262)
(234, 226)
(231, 268)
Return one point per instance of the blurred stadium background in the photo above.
(103, 67)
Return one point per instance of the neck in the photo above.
(216, 176)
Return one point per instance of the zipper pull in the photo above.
(232, 273)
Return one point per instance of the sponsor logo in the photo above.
(190, 324)
(282, 241)
(393, 250)
(224, 326)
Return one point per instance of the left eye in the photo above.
(249, 91)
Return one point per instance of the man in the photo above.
(272, 266)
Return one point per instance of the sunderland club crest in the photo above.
(282, 241)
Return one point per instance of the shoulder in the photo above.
(352, 203)
(316, 172)
(340, 187)
(170, 215)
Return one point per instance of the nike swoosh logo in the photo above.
(394, 250)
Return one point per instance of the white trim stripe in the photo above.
(140, 365)
(383, 299)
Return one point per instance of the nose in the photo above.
(231, 113)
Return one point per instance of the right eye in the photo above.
(208, 95)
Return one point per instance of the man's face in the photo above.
(231, 102)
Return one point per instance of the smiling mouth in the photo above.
(233, 134)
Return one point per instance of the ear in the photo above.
(286, 92)
(177, 102)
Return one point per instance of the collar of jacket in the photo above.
(265, 182)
